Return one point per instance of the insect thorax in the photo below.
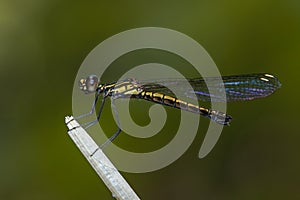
(126, 89)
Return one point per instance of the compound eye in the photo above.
(91, 83)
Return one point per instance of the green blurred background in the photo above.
(43, 43)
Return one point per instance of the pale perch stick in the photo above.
(98, 160)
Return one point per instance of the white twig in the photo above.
(98, 160)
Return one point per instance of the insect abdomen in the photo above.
(216, 116)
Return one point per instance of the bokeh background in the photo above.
(42, 45)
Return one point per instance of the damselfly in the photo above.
(237, 88)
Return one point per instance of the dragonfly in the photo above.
(236, 87)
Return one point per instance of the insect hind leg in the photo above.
(111, 138)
